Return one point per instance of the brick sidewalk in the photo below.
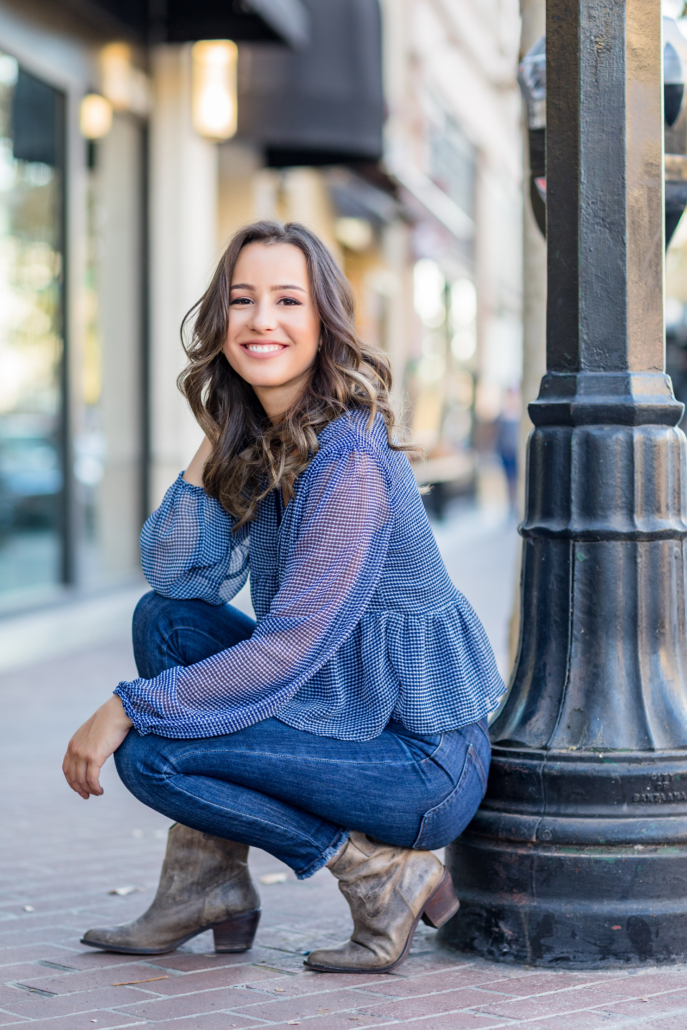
(60, 857)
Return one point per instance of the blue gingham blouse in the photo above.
(358, 622)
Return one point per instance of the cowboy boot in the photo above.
(204, 885)
(389, 890)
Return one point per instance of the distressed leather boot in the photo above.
(389, 890)
(204, 885)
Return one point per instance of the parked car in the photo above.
(30, 473)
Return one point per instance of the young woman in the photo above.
(347, 726)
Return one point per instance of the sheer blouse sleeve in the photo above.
(338, 543)
(189, 549)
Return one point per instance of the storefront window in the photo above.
(108, 392)
(31, 318)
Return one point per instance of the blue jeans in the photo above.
(292, 793)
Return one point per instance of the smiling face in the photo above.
(274, 327)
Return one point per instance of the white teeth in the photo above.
(263, 348)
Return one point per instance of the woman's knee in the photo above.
(140, 764)
(150, 630)
(149, 612)
(168, 632)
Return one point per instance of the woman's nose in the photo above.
(264, 316)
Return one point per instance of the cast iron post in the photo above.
(578, 855)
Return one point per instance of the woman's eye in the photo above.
(289, 300)
(240, 300)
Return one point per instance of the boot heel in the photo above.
(237, 933)
(441, 904)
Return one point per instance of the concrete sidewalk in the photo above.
(60, 859)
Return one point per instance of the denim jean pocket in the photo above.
(447, 820)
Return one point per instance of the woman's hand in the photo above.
(92, 745)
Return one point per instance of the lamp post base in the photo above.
(570, 885)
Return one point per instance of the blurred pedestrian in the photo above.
(507, 440)
(347, 727)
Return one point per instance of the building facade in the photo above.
(106, 242)
(72, 276)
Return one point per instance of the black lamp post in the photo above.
(578, 855)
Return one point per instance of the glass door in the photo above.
(31, 331)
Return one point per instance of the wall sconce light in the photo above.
(95, 116)
(213, 88)
(115, 63)
(125, 86)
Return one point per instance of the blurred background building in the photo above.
(676, 256)
(136, 137)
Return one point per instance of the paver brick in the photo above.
(12, 936)
(159, 1008)
(597, 1019)
(210, 980)
(657, 1004)
(90, 979)
(445, 980)
(307, 1004)
(309, 982)
(9, 1018)
(208, 1021)
(649, 982)
(21, 971)
(329, 1022)
(46, 907)
(9, 994)
(35, 1006)
(93, 959)
(445, 1001)
(546, 982)
(553, 1003)
(64, 919)
(670, 1023)
(459, 1021)
(82, 1021)
(33, 953)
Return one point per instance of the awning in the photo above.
(283, 21)
(354, 197)
(184, 21)
(322, 104)
(288, 18)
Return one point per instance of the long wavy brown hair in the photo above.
(250, 455)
